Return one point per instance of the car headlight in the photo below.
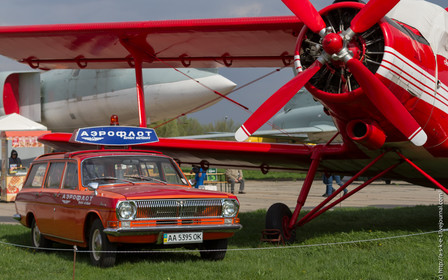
(229, 207)
(126, 210)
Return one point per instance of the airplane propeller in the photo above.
(274, 103)
(387, 103)
(371, 13)
(334, 46)
(306, 12)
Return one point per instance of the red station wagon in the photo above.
(105, 199)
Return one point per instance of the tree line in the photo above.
(185, 126)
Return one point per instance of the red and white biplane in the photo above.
(380, 70)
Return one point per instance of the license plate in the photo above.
(182, 237)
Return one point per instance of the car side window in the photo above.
(71, 176)
(36, 176)
(54, 175)
(171, 175)
(150, 169)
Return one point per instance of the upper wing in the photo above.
(204, 43)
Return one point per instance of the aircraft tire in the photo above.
(278, 217)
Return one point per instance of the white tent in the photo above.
(15, 122)
(17, 132)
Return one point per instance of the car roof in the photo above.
(94, 153)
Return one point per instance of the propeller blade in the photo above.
(306, 12)
(274, 103)
(387, 103)
(372, 12)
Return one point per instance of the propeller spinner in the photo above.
(336, 50)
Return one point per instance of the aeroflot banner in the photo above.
(114, 135)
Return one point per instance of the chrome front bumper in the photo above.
(152, 230)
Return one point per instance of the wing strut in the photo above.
(316, 157)
(318, 209)
(139, 55)
(140, 92)
(288, 222)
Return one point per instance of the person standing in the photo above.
(235, 176)
(14, 161)
(200, 176)
(328, 181)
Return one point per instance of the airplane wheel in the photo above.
(37, 239)
(219, 244)
(278, 217)
(98, 244)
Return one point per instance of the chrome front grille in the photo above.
(178, 208)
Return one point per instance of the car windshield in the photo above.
(108, 170)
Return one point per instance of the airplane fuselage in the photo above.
(408, 64)
(70, 99)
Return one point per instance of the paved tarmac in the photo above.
(262, 194)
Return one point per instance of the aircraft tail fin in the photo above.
(20, 93)
(302, 99)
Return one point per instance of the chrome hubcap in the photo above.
(36, 236)
(97, 244)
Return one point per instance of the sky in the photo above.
(26, 12)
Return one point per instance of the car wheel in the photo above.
(213, 250)
(37, 239)
(99, 246)
(278, 217)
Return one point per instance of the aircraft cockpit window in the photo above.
(411, 32)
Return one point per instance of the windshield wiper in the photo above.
(112, 178)
(147, 178)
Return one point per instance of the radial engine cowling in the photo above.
(366, 133)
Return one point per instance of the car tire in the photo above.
(207, 249)
(278, 217)
(37, 239)
(99, 246)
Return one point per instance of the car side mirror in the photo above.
(93, 186)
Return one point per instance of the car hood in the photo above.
(152, 191)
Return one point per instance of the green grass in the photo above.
(273, 175)
(413, 257)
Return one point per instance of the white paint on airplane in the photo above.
(77, 98)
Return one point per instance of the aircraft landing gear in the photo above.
(278, 217)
